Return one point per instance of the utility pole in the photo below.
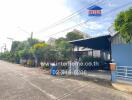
(25, 31)
(5, 47)
(11, 40)
(31, 35)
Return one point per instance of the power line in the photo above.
(109, 12)
(69, 17)
(25, 31)
(31, 34)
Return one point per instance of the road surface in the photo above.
(22, 83)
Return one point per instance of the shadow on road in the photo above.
(102, 82)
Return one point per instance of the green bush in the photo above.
(30, 63)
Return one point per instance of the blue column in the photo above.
(113, 76)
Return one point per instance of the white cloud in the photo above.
(31, 15)
(101, 33)
(93, 25)
(110, 3)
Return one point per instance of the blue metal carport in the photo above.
(97, 43)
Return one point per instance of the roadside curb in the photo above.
(123, 87)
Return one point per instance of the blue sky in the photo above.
(21, 17)
(99, 25)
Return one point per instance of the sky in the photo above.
(18, 18)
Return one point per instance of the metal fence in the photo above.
(124, 72)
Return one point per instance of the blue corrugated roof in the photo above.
(94, 7)
(97, 43)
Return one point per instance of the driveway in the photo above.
(22, 83)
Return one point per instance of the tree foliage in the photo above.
(74, 36)
(15, 46)
(35, 50)
(123, 24)
(64, 49)
(39, 45)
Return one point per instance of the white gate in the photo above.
(124, 73)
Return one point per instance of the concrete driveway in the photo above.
(21, 83)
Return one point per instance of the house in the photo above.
(121, 51)
(122, 56)
(114, 48)
(51, 41)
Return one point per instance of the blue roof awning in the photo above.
(98, 43)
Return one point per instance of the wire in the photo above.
(109, 12)
(69, 17)
(22, 29)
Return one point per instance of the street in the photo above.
(22, 83)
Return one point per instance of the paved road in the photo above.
(21, 83)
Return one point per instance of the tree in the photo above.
(24, 54)
(63, 47)
(32, 41)
(46, 53)
(50, 54)
(21, 49)
(123, 24)
(74, 36)
(14, 46)
(17, 45)
(37, 50)
(57, 41)
(39, 45)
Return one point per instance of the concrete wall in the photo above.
(122, 54)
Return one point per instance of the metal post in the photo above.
(78, 53)
(113, 76)
(92, 58)
(92, 53)
(110, 49)
(113, 69)
(72, 52)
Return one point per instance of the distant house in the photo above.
(94, 10)
(51, 41)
